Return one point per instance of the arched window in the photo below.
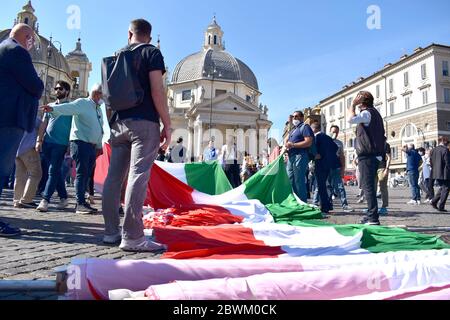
(215, 40)
(209, 39)
(410, 131)
(26, 20)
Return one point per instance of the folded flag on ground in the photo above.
(198, 216)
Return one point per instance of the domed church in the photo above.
(213, 93)
(49, 61)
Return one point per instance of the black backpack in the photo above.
(312, 150)
(122, 89)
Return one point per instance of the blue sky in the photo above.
(300, 51)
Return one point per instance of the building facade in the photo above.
(213, 95)
(50, 63)
(412, 95)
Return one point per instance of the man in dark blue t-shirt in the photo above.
(299, 140)
(414, 160)
(135, 142)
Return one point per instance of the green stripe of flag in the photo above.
(273, 188)
(208, 178)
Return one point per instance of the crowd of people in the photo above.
(238, 166)
(42, 143)
(316, 163)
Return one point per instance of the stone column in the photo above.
(198, 138)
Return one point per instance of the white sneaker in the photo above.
(361, 200)
(115, 239)
(418, 203)
(348, 209)
(64, 203)
(43, 206)
(412, 203)
(141, 245)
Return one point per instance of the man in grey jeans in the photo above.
(135, 141)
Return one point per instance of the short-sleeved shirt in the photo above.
(413, 160)
(58, 129)
(340, 146)
(298, 134)
(210, 154)
(152, 60)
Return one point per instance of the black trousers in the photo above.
(427, 187)
(442, 195)
(322, 178)
(233, 174)
(368, 167)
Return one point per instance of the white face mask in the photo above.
(296, 123)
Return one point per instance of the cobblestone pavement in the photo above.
(53, 239)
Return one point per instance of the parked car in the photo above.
(350, 178)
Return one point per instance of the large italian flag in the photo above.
(197, 215)
(261, 229)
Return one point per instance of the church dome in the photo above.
(197, 66)
(228, 68)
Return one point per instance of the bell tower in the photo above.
(80, 67)
(27, 16)
(213, 37)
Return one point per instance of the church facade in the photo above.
(49, 61)
(213, 96)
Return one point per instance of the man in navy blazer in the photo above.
(20, 91)
(326, 160)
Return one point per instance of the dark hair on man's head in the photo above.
(421, 150)
(302, 115)
(442, 139)
(315, 125)
(63, 84)
(180, 140)
(141, 28)
(366, 98)
(335, 127)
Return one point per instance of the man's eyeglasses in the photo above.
(59, 89)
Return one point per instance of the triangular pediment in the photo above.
(228, 103)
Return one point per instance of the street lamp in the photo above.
(49, 56)
(212, 75)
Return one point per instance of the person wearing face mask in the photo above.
(297, 143)
(20, 91)
(370, 149)
(440, 165)
(86, 137)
